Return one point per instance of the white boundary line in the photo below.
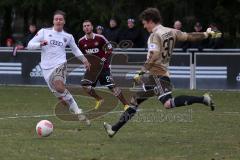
(112, 112)
(54, 115)
(102, 87)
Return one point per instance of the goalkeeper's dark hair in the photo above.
(151, 14)
(59, 12)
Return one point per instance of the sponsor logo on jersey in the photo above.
(92, 50)
(56, 43)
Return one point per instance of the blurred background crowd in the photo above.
(118, 20)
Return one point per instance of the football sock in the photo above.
(68, 98)
(136, 100)
(118, 93)
(91, 91)
(186, 100)
(140, 100)
(122, 99)
(127, 115)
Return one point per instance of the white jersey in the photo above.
(54, 54)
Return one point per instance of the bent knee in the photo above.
(59, 86)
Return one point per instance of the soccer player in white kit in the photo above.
(53, 42)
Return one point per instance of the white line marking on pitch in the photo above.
(112, 112)
(53, 115)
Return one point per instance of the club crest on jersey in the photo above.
(152, 46)
(49, 35)
(85, 45)
(65, 39)
(96, 43)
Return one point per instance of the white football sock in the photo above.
(68, 98)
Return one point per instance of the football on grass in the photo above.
(44, 128)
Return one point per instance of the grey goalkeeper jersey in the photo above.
(161, 43)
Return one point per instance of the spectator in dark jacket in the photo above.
(198, 44)
(113, 32)
(99, 29)
(177, 25)
(32, 30)
(216, 41)
(132, 34)
(184, 45)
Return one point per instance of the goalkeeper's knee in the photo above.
(168, 104)
(166, 100)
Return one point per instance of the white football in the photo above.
(44, 128)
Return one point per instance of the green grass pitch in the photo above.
(187, 133)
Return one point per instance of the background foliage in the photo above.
(225, 13)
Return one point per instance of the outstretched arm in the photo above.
(197, 36)
(194, 36)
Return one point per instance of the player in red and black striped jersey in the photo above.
(100, 50)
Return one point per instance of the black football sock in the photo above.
(127, 115)
(186, 100)
(140, 100)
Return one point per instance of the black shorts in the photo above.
(159, 86)
(104, 78)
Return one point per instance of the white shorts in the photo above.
(57, 73)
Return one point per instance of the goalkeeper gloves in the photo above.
(213, 34)
(137, 78)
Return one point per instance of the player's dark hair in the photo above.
(60, 12)
(87, 20)
(151, 14)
